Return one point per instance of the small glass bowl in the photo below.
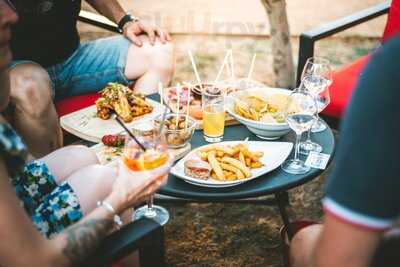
(177, 137)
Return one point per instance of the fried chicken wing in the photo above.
(123, 101)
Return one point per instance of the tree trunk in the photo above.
(281, 47)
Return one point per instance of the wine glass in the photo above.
(323, 99)
(300, 116)
(155, 160)
(316, 77)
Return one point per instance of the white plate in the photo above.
(274, 154)
(85, 124)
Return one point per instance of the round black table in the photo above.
(274, 183)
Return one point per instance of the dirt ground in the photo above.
(239, 235)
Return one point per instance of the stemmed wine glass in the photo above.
(316, 77)
(300, 116)
(154, 160)
(323, 99)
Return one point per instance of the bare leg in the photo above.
(91, 184)
(303, 245)
(149, 65)
(35, 117)
(65, 161)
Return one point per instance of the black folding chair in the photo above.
(309, 38)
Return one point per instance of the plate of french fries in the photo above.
(233, 162)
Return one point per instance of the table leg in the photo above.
(282, 201)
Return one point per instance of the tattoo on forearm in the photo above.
(83, 238)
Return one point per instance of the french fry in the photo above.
(241, 158)
(239, 174)
(256, 165)
(250, 155)
(248, 162)
(237, 164)
(258, 154)
(226, 173)
(232, 177)
(214, 176)
(220, 153)
(236, 149)
(225, 149)
(215, 165)
(203, 156)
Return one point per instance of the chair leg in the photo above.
(152, 250)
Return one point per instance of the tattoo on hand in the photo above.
(83, 239)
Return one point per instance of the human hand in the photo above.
(133, 29)
(131, 188)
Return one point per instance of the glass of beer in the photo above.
(213, 113)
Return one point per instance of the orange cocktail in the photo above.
(150, 159)
(213, 121)
(213, 114)
(155, 161)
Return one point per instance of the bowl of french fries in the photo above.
(232, 162)
(261, 110)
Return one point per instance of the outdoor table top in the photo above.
(270, 183)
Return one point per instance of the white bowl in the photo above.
(264, 130)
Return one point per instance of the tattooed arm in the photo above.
(79, 241)
(22, 245)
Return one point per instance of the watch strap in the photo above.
(124, 20)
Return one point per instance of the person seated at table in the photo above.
(49, 62)
(56, 194)
(362, 199)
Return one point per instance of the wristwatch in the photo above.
(125, 19)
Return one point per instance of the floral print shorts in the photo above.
(51, 207)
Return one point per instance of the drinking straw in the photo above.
(187, 106)
(160, 92)
(231, 61)
(162, 121)
(178, 92)
(195, 70)
(251, 69)
(129, 132)
(221, 68)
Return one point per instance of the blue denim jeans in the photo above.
(89, 68)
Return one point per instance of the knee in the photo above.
(30, 89)
(164, 55)
(82, 154)
(302, 246)
(161, 57)
(102, 177)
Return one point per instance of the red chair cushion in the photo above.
(344, 82)
(75, 103)
(393, 22)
